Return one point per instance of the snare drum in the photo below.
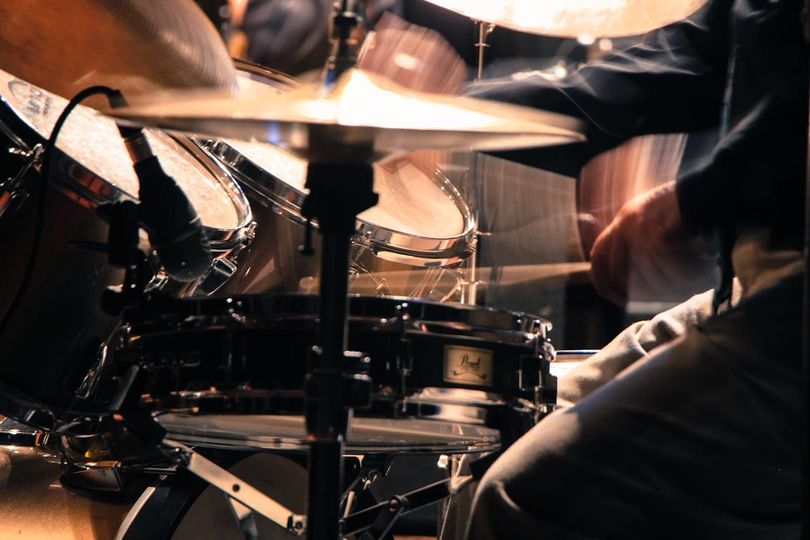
(413, 243)
(228, 372)
(54, 335)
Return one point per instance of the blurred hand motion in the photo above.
(413, 57)
(610, 188)
(645, 250)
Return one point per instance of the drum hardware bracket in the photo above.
(547, 385)
(92, 379)
(404, 349)
(355, 385)
(95, 479)
(365, 470)
(220, 272)
(125, 408)
(16, 195)
(375, 522)
(32, 159)
(243, 493)
(123, 237)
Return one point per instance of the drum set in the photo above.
(204, 394)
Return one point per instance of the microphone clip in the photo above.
(123, 238)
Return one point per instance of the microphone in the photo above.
(169, 218)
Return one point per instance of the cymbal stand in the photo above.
(484, 30)
(340, 180)
(470, 293)
(338, 192)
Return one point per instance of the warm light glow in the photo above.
(576, 18)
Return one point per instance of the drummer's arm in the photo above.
(671, 82)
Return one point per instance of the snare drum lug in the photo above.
(404, 348)
(530, 374)
(220, 272)
(250, 235)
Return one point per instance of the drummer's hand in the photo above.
(646, 240)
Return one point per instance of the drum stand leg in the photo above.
(245, 499)
(376, 522)
(337, 194)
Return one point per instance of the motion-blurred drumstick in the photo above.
(413, 57)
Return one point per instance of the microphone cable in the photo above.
(39, 218)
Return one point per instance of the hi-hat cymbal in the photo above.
(135, 46)
(576, 18)
(361, 110)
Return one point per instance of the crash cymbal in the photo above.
(576, 18)
(136, 46)
(361, 110)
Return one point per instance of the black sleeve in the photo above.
(289, 36)
(673, 81)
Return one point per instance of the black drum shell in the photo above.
(58, 328)
(265, 344)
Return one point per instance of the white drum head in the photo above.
(93, 141)
(366, 435)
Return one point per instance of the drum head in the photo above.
(92, 141)
(366, 435)
(420, 214)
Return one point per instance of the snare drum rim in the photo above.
(90, 190)
(179, 313)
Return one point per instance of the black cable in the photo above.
(47, 159)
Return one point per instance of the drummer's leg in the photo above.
(699, 440)
(635, 342)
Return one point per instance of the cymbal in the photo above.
(360, 110)
(576, 18)
(135, 46)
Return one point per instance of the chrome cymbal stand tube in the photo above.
(340, 180)
(484, 30)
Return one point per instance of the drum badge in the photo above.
(467, 365)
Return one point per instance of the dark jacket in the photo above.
(738, 64)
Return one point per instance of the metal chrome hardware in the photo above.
(14, 194)
(235, 488)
